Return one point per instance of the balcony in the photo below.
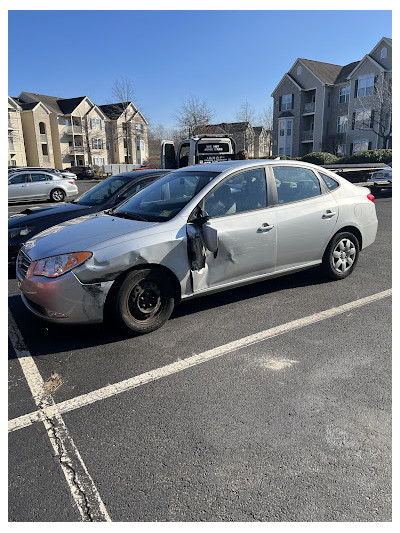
(75, 129)
(309, 107)
(307, 136)
(77, 149)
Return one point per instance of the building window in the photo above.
(384, 52)
(281, 128)
(95, 124)
(344, 94)
(99, 161)
(42, 128)
(360, 146)
(97, 143)
(340, 150)
(139, 128)
(11, 143)
(287, 102)
(45, 150)
(289, 128)
(299, 70)
(365, 85)
(363, 119)
(341, 125)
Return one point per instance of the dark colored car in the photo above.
(82, 173)
(109, 193)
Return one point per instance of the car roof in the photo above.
(141, 173)
(221, 166)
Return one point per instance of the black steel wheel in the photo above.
(142, 300)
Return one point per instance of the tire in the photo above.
(57, 195)
(142, 301)
(341, 256)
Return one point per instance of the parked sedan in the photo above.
(380, 181)
(198, 230)
(106, 194)
(40, 185)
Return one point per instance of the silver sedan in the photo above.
(40, 185)
(200, 229)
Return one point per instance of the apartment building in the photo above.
(64, 132)
(262, 141)
(127, 133)
(16, 145)
(339, 109)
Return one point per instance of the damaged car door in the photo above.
(232, 233)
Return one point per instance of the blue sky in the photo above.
(223, 57)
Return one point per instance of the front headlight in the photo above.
(52, 267)
(16, 232)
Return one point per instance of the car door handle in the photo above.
(265, 227)
(329, 214)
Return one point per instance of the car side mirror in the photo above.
(210, 236)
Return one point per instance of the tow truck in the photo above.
(197, 150)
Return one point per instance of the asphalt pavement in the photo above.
(270, 403)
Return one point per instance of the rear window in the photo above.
(212, 148)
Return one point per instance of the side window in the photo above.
(329, 182)
(40, 177)
(133, 190)
(295, 183)
(245, 191)
(21, 178)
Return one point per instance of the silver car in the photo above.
(380, 181)
(198, 230)
(40, 185)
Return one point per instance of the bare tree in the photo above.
(266, 118)
(123, 93)
(193, 113)
(158, 133)
(246, 113)
(377, 111)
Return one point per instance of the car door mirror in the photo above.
(210, 236)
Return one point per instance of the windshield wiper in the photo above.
(130, 216)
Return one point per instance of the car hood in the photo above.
(34, 214)
(82, 234)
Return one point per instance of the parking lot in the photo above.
(270, 402)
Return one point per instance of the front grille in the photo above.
(23, 263)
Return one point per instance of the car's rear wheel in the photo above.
(57, 195)
(341, 256)
(142, 300)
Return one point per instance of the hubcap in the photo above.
(145, 300)
(343, 255)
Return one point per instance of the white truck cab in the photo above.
(197, 150)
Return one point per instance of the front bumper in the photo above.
(63, 300)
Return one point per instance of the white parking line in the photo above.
(83, 490)
(178, 366)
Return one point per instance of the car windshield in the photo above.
(103, 191)
(164, 198)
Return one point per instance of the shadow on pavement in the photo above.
(46, 338)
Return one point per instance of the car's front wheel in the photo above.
(57, 195)
(142, 300)
(341, 256)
